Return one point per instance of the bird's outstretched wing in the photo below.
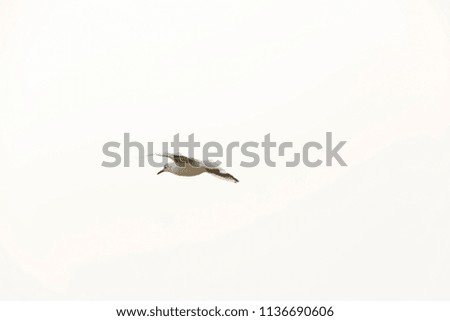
(221, 173)
(181, 160)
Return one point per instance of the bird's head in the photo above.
(165, 169)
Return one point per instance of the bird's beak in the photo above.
(161, 171)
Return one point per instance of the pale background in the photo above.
(76, 74)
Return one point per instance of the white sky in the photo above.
(76, 74)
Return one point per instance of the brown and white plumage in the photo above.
(187, 166)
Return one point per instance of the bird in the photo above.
(187, 166)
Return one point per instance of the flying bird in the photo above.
(186, 166)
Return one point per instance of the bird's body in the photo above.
(187, 170)
(186, 166)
